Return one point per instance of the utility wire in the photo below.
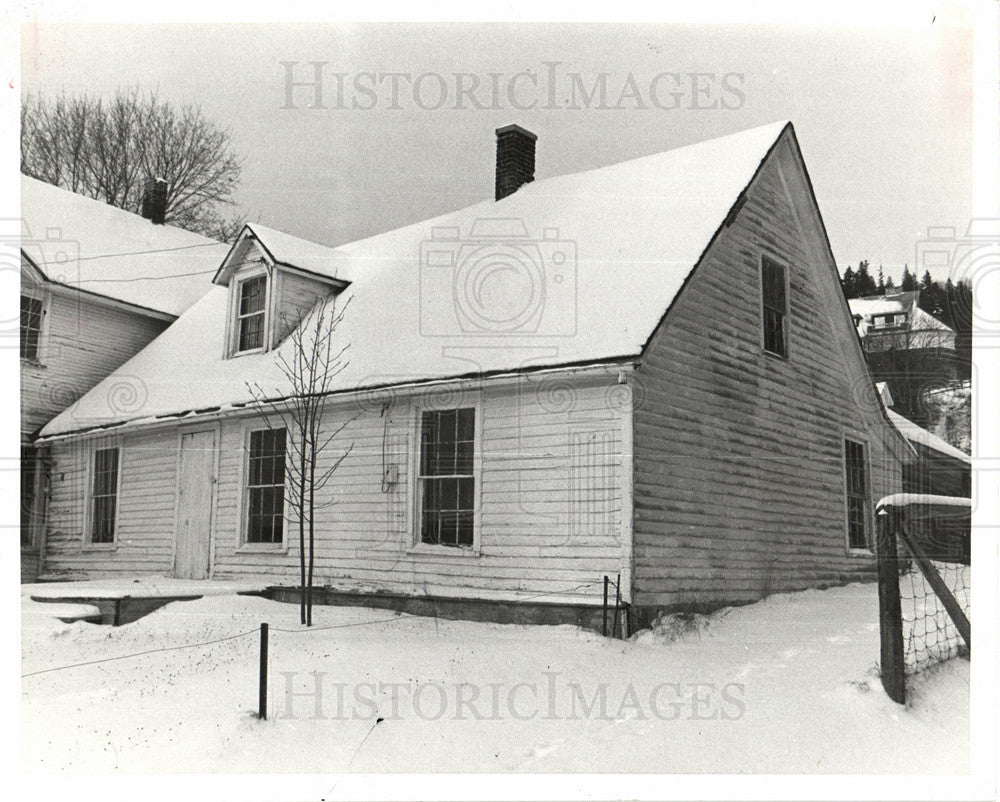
(138, 654)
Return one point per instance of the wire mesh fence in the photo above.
(930, 636)
(924, 572)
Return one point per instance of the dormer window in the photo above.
(250, 314)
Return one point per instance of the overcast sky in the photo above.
(883, 115)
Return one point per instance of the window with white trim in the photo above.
(447, 482)
(858, 500)
(31, 326)
(251, 303)
(265, 515)
(775, 307)
(104, 495)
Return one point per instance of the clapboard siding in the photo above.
(297, 295)
(551, 511)
(83, 340)
(146, 507)
(739, 472)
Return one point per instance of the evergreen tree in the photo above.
(881, 281)
(909, 280)
(849, 283)
(865, 284)
(890, 285)
(926, 281)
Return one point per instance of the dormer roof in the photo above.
(278, 248)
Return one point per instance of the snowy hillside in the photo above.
(784, 685)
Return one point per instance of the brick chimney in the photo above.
(154, 201)
(515, 159)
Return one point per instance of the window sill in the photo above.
(263, 548)
(772, 355)
(100, 547)
(860, 553)
(249, 352)
(461, 552)
(31, 363)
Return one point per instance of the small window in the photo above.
(266, 487)
(858, 503)
(250, 314)
(31, 326)
(447, 480)
(104, 496)
(775, 307)
(29, 459)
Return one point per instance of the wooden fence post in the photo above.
(889, 608)
(262, 699)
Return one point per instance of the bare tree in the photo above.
(308, 363)
(108, 149)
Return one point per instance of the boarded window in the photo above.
(858, 502)
(29, 459)
(31, 326)
(775, 307)
(447, 480)
(266, 487)
(104, 496)
(250, 314)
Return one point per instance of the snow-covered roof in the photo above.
(919, 435)
(882, 388)
(895, 303)
(91, 246)
(604, 252)
(284, 249)
(905, 499)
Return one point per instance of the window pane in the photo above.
(774, 285)
(251, 332)
(31, 324)
(447, 447)
(266, 483)
(252, 295)
(857, 495)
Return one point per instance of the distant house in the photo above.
(98, 284)
(646, 370)
(895, 322)
(940, 469)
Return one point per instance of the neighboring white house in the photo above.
(98, 284)
(646, 370)
(895, 321)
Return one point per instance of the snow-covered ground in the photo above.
(785, 685)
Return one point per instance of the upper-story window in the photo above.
(31, 326)
(775, 307)
(888, 321)
(251, 308)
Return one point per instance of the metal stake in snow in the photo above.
(262, 701)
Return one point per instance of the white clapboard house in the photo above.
(645, 371)
(98, 284)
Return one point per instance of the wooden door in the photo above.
(195, 490)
